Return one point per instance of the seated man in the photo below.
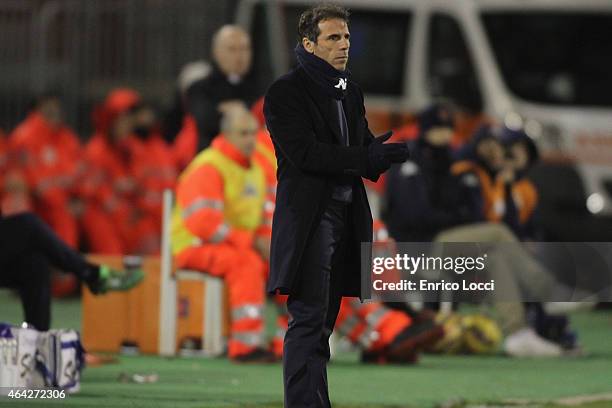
(422, 197)
(49, 155)
(430, 198)
(218, 228)
(153, 169)
(494, 187)
(28, 248)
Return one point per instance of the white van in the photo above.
(542, 64)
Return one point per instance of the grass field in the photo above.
(438, 381)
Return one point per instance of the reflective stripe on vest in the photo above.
(348, 325)
(201, 203)
(248, 311)
(280, 333)
(374, 317)
(250, 338)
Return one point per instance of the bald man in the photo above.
(229, 84)
(218, 228)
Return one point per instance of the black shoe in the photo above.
(258, 355)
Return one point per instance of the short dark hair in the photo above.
(309, 20)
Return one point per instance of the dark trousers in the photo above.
(28, 247)
(313, 307)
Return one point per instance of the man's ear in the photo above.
(308, 45)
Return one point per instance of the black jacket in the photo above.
(205, 95)
(422, 197)
(305, 131)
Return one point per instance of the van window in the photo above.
(450, 70)
(554, 57)
(377, 56)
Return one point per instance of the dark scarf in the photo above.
(322, 73)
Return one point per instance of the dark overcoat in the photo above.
(305, 128)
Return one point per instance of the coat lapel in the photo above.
(350, 109)
(333, 120)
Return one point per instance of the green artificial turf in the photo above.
(451, 381)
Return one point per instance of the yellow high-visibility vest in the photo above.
(243, 200)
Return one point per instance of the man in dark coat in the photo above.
(230, 83)
(316, 118)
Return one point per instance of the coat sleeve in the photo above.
(292, 130)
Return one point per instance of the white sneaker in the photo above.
(560, 308)
(527, 343)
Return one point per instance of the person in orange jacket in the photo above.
(109, 188)
(383, 334)
(49, 155)
(217, 228)
(153, 167)
(14, 193)
(483, 174)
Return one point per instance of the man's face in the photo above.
(519, 156)
(243, 134)
(332, 44)
(439, 136)
(122, 127)
(144, 117)
(232, 52)
(491, 152)
(51, 111)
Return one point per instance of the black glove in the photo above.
(381, 155)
